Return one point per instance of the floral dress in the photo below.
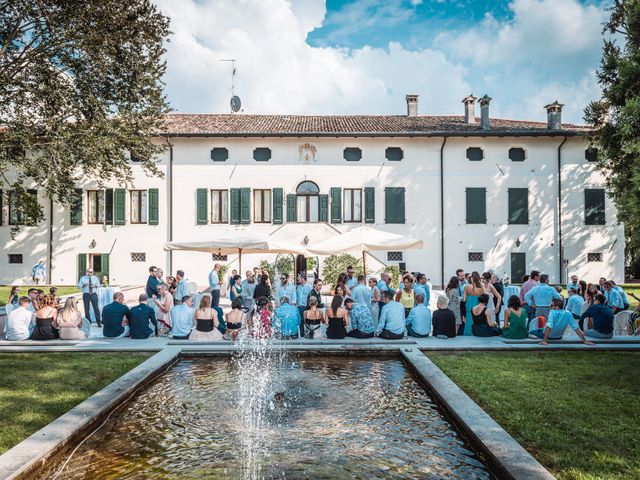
(454, 304)
(262, 328)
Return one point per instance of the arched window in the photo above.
(307, 202)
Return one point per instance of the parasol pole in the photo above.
(240, 261)
(364, 264)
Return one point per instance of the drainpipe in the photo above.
(170, 198)
(560, 248)
(50, 246)
(444, 142)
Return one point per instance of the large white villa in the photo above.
(483, 194)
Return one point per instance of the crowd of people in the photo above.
(358, 307)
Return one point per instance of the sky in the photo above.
(363, 56)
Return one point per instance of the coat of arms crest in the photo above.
(307, 152)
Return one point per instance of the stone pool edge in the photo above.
(33, 452)
(489, 437)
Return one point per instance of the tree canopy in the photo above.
(80, 90)
(616, 117)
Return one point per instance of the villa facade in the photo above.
(483, 193)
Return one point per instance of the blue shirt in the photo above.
(38, 270)
(351, 282)
(112, 316)
(360, 316)
(461, 286)
(392, 318)
(286, 320)
(92, 284)
(541, 295)
(420, 319)
(418, 288)
(575, 286)
(182, 290)
(361, 294)
(302, 294)
(574, 304)
(140, 318)
(247, 289)
(625, 299)
(288, 290)
(152, 287)
(182, 320)
(214, 281)
(614, 299)
(382, 286)
(558, 321)
(602, 317)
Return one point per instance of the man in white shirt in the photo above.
(89, 284)
(286, 289)
(19, 321)
(182, 319)
(182, 289)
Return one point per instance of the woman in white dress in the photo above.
(375, 298)
(165, 304)
(494, 298)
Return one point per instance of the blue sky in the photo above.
(363, 56)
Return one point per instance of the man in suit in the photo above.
(141, 317)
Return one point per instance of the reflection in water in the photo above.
(277, 416)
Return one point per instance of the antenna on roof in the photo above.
(235, 102)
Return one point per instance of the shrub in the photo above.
(394, 272)
(334, 265)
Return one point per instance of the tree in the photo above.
(80, 91)
(616, 117)
(334, 265)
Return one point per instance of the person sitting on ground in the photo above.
(205, 322)
(141, 318)
(444, 318)
(602, 318)
(70, 321)
(613, 299)
(361, 293)
(286, 320)
(235, 318)
(540, 296)
(19, 322)
(337, 319)
(260, 326)
(515, 320)
(182, 287)
(557, 323)
(32, 293)
(391, 325)
(115, 318)
(406, 296)
(313, 319)
(53, 291)
(635, 316)
(574, 303)
(419, 319)
(483, 326)
(182, 317)
(623, 294)
(359, 317)
(46, 327)
(14, 296)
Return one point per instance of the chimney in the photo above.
(484, 112)
(412, 105)
(554, 115)
(469, 109)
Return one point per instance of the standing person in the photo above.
(152, 283)
(19, 321)
(302, 295)
(313, 318)
(391, 325)
(375, 301)
(214, 284)
(115, 318)
(286, 320)
(470, 295)
(515, 320)
(205, 322)
(89, 284)
(384, 284)
(70, 321)
(573, 283)
(557, 323)
(406, 296)
(359, 319)
(601, 317)
(419, 319)
(231, 282)
(316, 292)
(39, 273)
(483, 326)
(183, 318)
(360, 293)
(452, 291)
(248, 287)
(421, 286)
(263, 290)
(286, 289)
(33, 300)
(182, 288)
(499, 287)
(574, 303)
(583, 288)
(141, 318)
(172, 285)
(444, 318)
(495, 298)
(601, 283)
(524, 289)
(237, 287)
(14, 296)
(164, 305)
(337, 319)
(342, 281)
(613, 297)
(236, 317)
(540, 296)
(462, 283)
(351, 281)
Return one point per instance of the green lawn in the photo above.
(578, 413)
(5, 290)
(36, 388)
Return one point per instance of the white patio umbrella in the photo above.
(364, 239)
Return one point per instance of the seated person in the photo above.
(182, 319)
(235, 318)
(419, 319)
(391, 324)
(602, 318)
(313, 319)
(557, 323)
(205, 321)
(70, 321)
(337, 319)
(115, 318)
(46, 320)
(19, 323)
(515, 320)
(141, 318)
(286, 320)
(444, 319)
(360, 318)
(483, 326)
(574, 303)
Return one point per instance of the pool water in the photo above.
(290, 417)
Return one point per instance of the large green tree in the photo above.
(80, 91)
(616, 118)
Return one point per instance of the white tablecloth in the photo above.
(509, 290)
(105, 297)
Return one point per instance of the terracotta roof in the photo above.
(180, 124)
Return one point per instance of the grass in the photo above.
(578, 413)
(5, 290)
(36, 388)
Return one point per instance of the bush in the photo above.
(334, 265)
(394, 272)
(311, 264)
(270, 268)
(284, 264)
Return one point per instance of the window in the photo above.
(307, 202)
(138, 206)
(594, 257)
(476, 205)
(594, 213)
(96, 206)
(15, 258)
(475, 257)
(138, 257)
(219, 154)
(218, 258)
(352, 154)
(394, 256)
(394, 205)
(262, 154)
(262, 206)
(352, 205)
(219, 206)
(516, 154)
(518, 206)
(591, 154)
(475, 154)
(394, 154)
(17, 214)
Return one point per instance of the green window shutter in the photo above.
(202, 207)
(518, 206)
(476, 205)
(104, 266)
(369, 205)
(245, 205)
(76, 207)
(82, 264)
(336, 204)
(154, 206)
(323, 214)
(594, 207)
(278, 197)
(108, 206)
(291, 208)
(394, 205)
(119, 206)
(235, 205)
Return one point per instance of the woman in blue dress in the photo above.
(470, 296)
